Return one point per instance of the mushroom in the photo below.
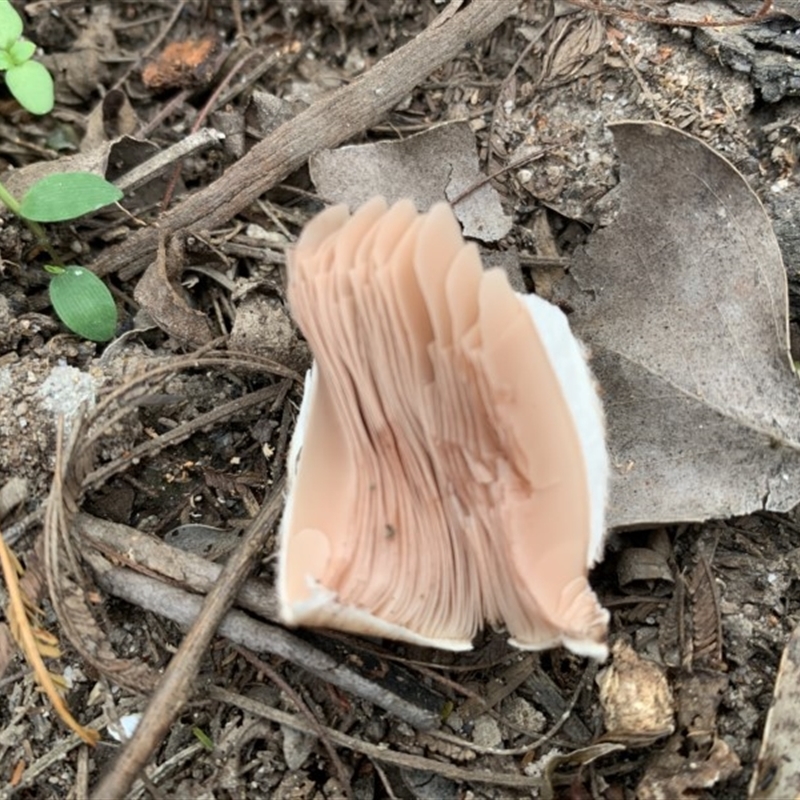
(448, 466)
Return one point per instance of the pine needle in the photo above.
(36, 643)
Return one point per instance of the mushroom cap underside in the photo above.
(448, 467)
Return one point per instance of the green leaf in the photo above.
(10, 25)
(84, 303)
(203, 738)
(32, 86)
(67, 195)
(5, 61)
(21, 51)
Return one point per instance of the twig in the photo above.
(209, 106)
(161, 161)
(326, 123)
(182, 607)
(516, 164)
(377, 752)
(319, 729)
(151, 556)
(175, 687)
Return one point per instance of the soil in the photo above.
(707, 609)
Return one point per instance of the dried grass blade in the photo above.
(27, 640)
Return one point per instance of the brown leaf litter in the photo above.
(711, 606)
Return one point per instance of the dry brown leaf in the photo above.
(706, 615)
(438, 164)
(113, 117)
(777, 772)
(636, 697)
(158, 292)
(683, 302)
(670, 775)
(575, 45)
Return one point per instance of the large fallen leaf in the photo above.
(683, 303)
(439, 164)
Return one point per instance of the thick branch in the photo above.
(328, 122)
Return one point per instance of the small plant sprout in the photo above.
(79, 297)
(28, 80)
(81, 300)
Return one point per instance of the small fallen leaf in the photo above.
(159, 293)
(683, 302)
(636, 697)
(574, 49)
(670, 775)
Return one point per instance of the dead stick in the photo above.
(328, 122)
(182, 607)
(165, 573)
(380, 752)
(151, 556)
(175, 687)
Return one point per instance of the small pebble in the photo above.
(486, 732)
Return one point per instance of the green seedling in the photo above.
(28, 80)
(81, 300)
(203, 738)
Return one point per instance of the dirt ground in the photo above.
(704, 610)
